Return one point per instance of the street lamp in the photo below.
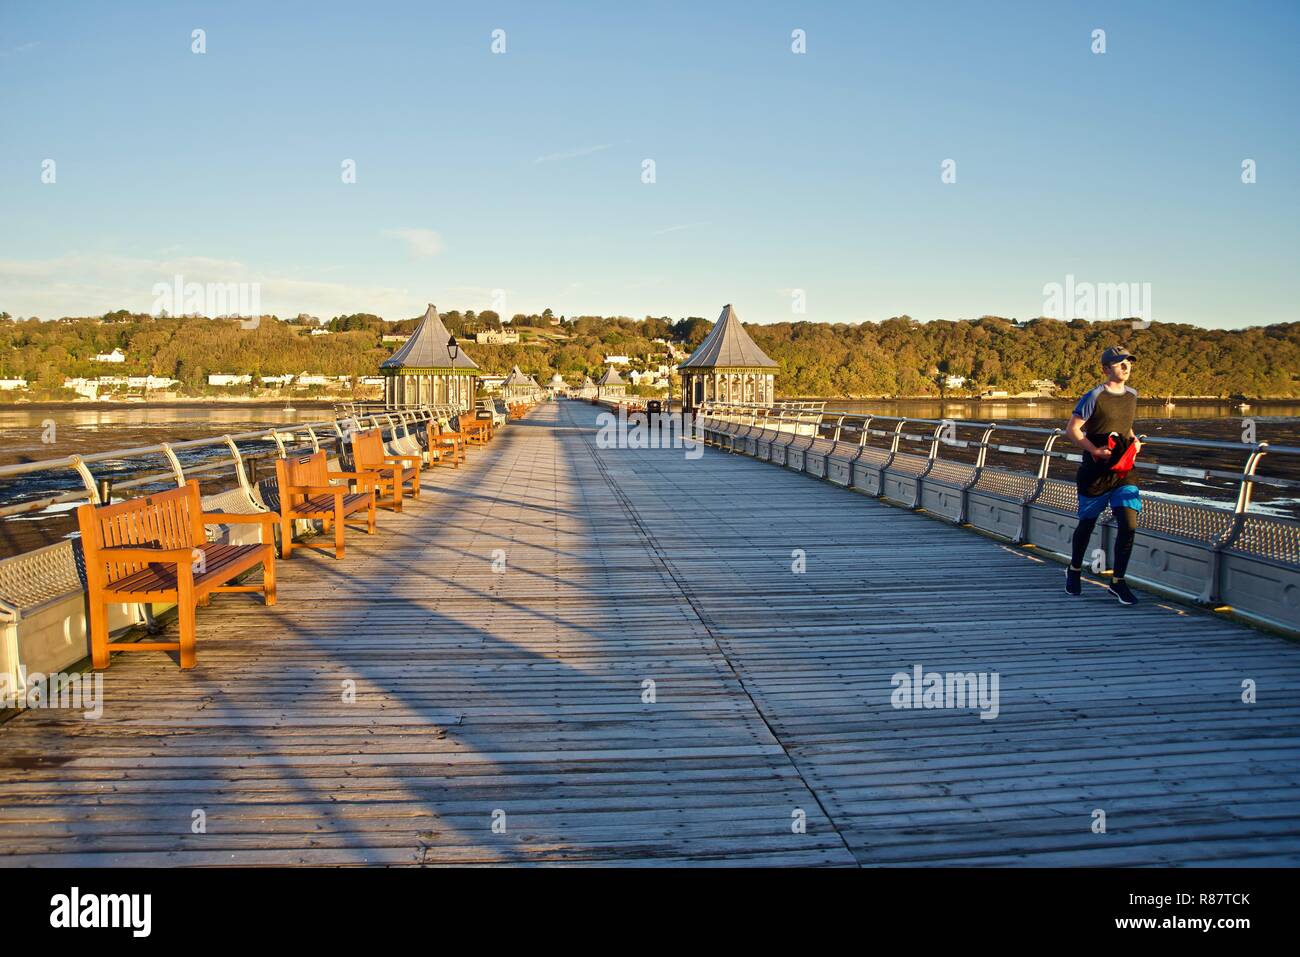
(452, 348)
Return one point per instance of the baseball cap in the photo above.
(1115, 354)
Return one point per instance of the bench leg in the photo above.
(186, 614)
(286, 537)
(338, 534)
(370, 516)
(268, 577)
(99, 635)
(415, 485)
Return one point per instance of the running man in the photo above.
(1106, 410)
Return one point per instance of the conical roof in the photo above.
(427, 348)
(557, 381)
(516, 377)
(587, 383)
(611, 377)
(727, 346)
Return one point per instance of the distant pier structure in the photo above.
(429, 370)
(611, 385)
(729, 367)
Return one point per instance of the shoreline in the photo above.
(223, 403)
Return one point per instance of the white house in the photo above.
(228, 378)
(277, 380)
(86, 388)
(311, 378)
(117, 355)
(617, 361)
(9, 385)
(954, 381)
(150, 382)
(496, 338)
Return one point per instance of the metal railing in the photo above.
(998, 477)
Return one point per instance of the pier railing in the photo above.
(999, 479)
(42, 591)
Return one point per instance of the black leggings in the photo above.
(1128, 523)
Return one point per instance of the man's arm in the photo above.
(1074, 432)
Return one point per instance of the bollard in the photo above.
(105, 491)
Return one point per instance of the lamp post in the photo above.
(452, 350)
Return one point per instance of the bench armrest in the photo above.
(402, 458)
(316, 489)
(137, 553)
(367, 478)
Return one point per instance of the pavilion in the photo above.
(425, 372)
(727, 367)
(611, 385)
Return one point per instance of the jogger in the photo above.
(1102, 426)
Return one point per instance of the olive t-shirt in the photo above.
(1105, 412)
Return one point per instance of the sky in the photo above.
(796, 186)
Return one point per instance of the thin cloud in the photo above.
(24, 48)
(573, 154)
(674, 229)
(422, 243)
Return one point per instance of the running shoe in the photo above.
(1073, 581)
(1119, 588)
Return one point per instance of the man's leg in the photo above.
(1090, 508)
(1082, 536)
(1125, 504)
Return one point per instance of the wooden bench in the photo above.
(394, 476)
(476, 431)
(307, 492)
(444, 440)
(154, 550)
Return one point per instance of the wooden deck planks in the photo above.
(520, 691)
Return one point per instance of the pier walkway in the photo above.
(414, 704)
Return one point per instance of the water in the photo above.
(30, 434)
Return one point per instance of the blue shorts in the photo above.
(1125, 496)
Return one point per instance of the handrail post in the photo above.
(1210, 594)
(175, 464)
(87, 479)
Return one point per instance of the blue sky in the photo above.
(522, 172)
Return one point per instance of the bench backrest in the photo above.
(170, 519)
(368, 449)
(300, 470)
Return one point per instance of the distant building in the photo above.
(954, 381)
(277, 380)
(1043, 386)
(319, 332)
(588, 388)
(424, 372)
(491, 383)
(150, 382)
(610, 385)
(9, 385)
(519, 386)
(117, 355)
(228, 378)
(496, 338)
(728, 366)
(395, 338)
(312, 378)
(617, 360)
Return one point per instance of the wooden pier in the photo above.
(414, 704)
